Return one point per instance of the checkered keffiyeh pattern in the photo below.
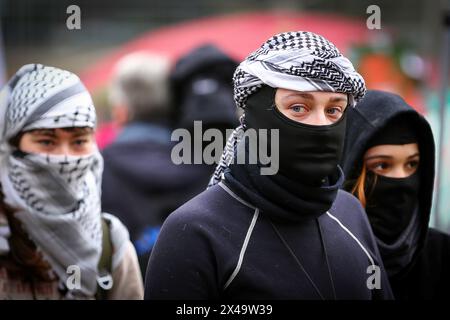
(57, 197)
(300, 61)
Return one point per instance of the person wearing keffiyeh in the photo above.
(291, 234)
(50, 178)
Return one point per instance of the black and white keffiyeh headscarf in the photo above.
(300, 61)
(56, 197)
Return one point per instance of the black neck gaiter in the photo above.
(391, 204)
(308, 179)
(282, 199)
(307, 153)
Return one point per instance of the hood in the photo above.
(369, 116)
(202, 86)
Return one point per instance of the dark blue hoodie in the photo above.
(220, 246)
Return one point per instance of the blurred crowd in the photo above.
(65, 203)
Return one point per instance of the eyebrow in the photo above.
(309, 96)
(388, 157)
(52, 133)
(338, 99)
(378, 156)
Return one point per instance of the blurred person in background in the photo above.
(203, 89)
(139, 183)
(55, 242)
(389, 162)
(202, 92)
(142, 185)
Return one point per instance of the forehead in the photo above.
(393, 151)
(310, 95)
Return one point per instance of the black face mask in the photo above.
(391, 204)
(307, 153)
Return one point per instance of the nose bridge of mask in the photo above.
(389, 189)
(67, 167)
(40, 185)
(391, 205)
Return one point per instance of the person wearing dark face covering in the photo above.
(389, 164)
(288, 234)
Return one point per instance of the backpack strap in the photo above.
(104, 280)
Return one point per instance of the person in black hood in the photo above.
(389, 164)
(279, 230)
(202, 90)
(203, 98)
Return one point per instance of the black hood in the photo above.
(370, 116)
(203, 88)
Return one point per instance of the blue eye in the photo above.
(298, 108)
(334, 111)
